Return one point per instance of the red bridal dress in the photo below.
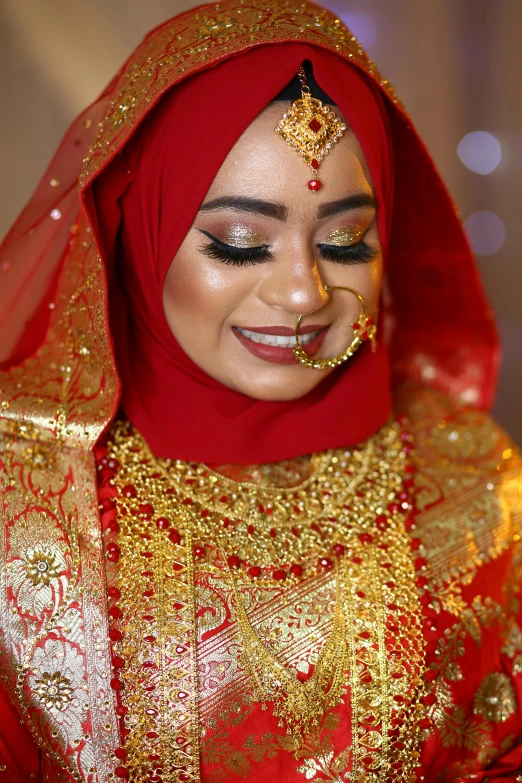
(197, 586)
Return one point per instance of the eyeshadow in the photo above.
(344, 236)
(242, 236)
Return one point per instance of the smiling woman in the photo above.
(289, 248)
(241, 541)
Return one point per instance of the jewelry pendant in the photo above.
(311, 128)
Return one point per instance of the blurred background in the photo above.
(456, 64)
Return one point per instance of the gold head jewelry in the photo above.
(311, 128)
(363, 329)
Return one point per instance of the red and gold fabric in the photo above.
(126, 626)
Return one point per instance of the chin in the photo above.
(280, 392)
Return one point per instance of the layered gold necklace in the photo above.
(175, 518)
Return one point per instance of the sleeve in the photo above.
(19, 755)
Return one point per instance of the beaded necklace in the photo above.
(175, 517)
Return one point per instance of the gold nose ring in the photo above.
(363, 329)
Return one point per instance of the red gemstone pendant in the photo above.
(315, 185)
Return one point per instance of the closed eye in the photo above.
(359, 253)
(231, 254)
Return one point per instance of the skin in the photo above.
(205, 298)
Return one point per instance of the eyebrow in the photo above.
(243, 204)
(278, 211)
(357, 201)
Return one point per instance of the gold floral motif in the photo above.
(41, 565)
(469, 495)
(495, 699)
(52, 611)
(54, 690)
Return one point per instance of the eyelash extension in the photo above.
(237, 256)
(361, 253)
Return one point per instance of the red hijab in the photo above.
(180, 410)
(178, 105)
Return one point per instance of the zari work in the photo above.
(348, 516)
(412, 617)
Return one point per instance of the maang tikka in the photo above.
(311, 128)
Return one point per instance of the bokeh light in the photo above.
(480, 152)
(486, 232)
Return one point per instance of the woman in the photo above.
(254, 570)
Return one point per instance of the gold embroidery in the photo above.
(470, 495)
(202, 39)
(55, 664)
(378, 595)
(495, 699)
(59, 394)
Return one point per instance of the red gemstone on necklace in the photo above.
(174, 536)
(279, 574)
(121, 753)
(199, 551)
(325, 563)
(315, 185)
(116, 684)
(121, 772)
(234, 561)
(296, 570)
(118, 662)
(250, 529)
(315, 125)
(114, 635)
(162, 523)
(339, 549)
(314, 164)
(115, 612)
(366, 538)
(114, 593)
(254, 572)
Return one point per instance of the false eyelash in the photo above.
(237, 256)
(361, 253)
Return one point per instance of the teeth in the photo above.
(277, 340)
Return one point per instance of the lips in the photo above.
(276, 344)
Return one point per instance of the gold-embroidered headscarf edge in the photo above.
(192, 42)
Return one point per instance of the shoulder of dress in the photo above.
(468, 482)
(447, 432)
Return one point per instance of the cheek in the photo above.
(196, 288)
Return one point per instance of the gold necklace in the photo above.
(190, 517)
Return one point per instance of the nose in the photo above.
(294, 285)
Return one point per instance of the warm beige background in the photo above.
(456, 64)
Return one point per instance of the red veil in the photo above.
(438, 325)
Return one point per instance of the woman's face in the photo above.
(259, 253)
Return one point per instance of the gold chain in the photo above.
(348, 516)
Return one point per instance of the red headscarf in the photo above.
(180, 410)
(182, 101)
